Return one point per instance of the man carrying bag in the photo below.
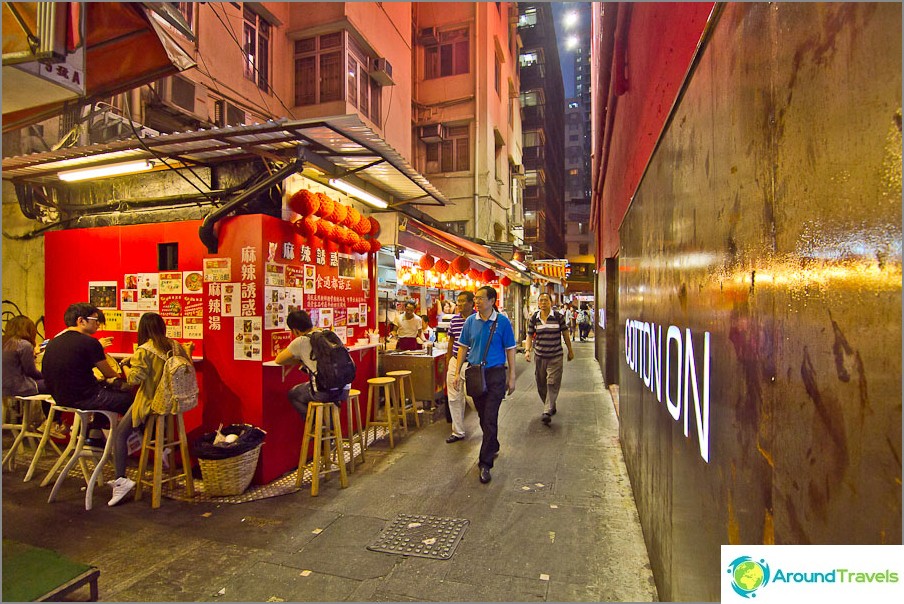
(488, 343)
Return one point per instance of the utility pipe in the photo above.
(477, 98)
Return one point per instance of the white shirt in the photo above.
(409, 328)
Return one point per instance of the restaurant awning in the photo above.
(413, 230)
(340, 147)
(124, 46)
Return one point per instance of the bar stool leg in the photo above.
(45, 438)
(186, 459)
(340, 452)
(143, 456)
(318, 446)
(99, 468)
(400, 407)
(10, 456)
(74, 433)
(390, 416)
(303, 458)
(157, 479)
(417, 418)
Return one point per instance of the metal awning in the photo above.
(340, 147)
(459, 245)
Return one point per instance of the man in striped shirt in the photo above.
(545, 331)
(455, 391)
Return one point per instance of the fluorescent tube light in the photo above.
(130, 167)
(358, 193)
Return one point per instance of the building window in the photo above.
(456, 227)
(452, 154)
(257, 49)
(320, 77)
(583, 249)
(573, 172)
(528, 19)
(451, 56)
(187, 10)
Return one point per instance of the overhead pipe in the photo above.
(206, 230)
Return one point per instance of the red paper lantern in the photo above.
(363, 226)
(326, 205)
(505, 281)
(426, 262)
(375, 245)
(325, 229)
(339, 213)
(304, 202)
(441, 266)
(353, 217)
(362, 247)
(374, 226)
(461, 265)
(307, 226)
(473, 273)
(488, 275)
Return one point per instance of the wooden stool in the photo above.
(325, 446)
(355, 432)
(81, 451)
(160, 433)
(373, 396)
(22, 426)
(403, 376)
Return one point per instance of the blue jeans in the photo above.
(487, 406)
(120, 402)
(302, 394)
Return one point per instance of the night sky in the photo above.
(566, 58)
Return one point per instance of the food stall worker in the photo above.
(299, 352)
(408, 329)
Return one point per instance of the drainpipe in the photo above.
(206, 230)
(477, 97)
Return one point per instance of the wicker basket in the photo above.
(230, 476)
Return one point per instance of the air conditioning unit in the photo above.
(227, 114)
(382, 72)
(427, 36)
(183, 97)
(433, 133)
(109, 126)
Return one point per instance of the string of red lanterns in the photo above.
(340, 227)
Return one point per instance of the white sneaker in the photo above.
(121, 487)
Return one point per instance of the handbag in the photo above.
(475, 375)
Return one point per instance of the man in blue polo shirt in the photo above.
(500, 368)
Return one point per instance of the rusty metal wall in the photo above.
(769, 219)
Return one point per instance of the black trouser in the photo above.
(487, 406)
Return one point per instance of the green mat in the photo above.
(33, 573)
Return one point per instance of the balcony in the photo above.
(532, 76)
(533, 116)
(534, 158)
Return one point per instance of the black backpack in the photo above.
(335, 368)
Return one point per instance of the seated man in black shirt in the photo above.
(69, 361)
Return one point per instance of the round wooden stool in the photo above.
(403, 377)
(162, 434)
(355, 432)
(328, 447)
(373, 401)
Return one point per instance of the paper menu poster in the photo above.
(279, 340)
(354, 316)
(217, 270)
(130, 320)
(248, 338)
(294, 276)
(128, 299)
(341, 332)
(114, 320)
(193, 328)
(362, 314)
(325, 318)
(193, 306)
(310, 279)
(192, 282)
(171, 305)
(102, 294)
(170, 283)
(231, 305)
(173, 327)
(274, 308)
(294, 299)
(275, 274)
(148, 291)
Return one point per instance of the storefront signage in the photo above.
(672, 369)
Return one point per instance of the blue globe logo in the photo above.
(748, 575)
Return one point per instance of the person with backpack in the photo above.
(584, 319)
(166, 382)
(323, 356)
(545, 331)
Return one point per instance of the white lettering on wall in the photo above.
(677, 374)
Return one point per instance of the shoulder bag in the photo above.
(475, 375)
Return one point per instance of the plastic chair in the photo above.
(82, 451)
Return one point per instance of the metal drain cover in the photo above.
(422, 536)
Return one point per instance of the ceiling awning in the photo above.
(340, 147)
(124, 46)
(457, 246)
(546, 278)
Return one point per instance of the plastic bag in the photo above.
(248, 438)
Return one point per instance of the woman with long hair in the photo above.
(146, 365)
(20, 375)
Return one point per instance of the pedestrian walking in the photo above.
(487, 338)
(546, 330)
(455, 393)
(584, 322)
(570, 320)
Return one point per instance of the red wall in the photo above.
(661, 41)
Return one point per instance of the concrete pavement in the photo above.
(557, 522)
